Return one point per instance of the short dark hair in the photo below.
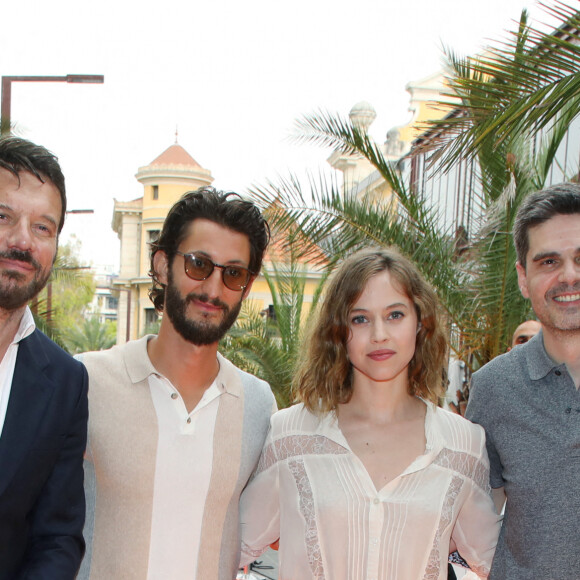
(18, 155)
(539, 207)
(226, 209)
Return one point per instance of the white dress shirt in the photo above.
(314, 493)
(8, 363)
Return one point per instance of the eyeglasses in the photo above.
(200, 268)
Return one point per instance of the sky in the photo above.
(231, 76)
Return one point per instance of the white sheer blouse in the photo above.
(311, 491)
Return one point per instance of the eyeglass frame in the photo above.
(214, 266)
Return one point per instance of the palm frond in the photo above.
(521, 85)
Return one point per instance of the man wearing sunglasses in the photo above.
(175, 429)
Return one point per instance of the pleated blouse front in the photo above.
(314, 493)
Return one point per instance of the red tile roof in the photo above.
(278, 251)
(175, 155)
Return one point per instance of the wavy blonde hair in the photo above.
(324, 377)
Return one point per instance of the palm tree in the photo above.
(268, 346)
(477, 286)
(510, 163)
(90, 335)
(524, 85)
(70, 289)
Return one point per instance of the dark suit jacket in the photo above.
(42, 505)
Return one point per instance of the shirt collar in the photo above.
(435, 441)
(538, 360)
(140, 367)
(228, 377)
(26, 327)
(137, 361)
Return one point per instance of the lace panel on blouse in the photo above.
(254, 553)
(466, 465)
(296, 446)
(308, 511)
(434, 563)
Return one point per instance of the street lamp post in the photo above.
(7, 91)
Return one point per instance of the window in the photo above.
(152, 321)
(155, 192)
(150, 316)
(152, 236)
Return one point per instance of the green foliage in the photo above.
(269, 347)
(510, 164)
(518, 87)
(90, 335)
(494, 123)
(152, 328)
(61, 305)
(478, 285)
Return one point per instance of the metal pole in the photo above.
(5, 110)
(7, 91)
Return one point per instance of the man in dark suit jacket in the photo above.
(43, 391)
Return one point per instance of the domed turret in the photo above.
(362, 115)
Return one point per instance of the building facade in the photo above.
(105, 302)
(138, 223)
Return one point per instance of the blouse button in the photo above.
(174, 395)
(557, 373)
(189, 419)
(376, 500)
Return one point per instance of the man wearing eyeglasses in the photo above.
(175, 429)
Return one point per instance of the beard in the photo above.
(200, 333)
(14, 294)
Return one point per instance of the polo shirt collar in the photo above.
(539, 362)
(137, 361)
(140, 367)
(228, 377)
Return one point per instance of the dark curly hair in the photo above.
(18, 155)
(226, 209)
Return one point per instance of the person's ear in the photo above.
(161, 266)
(522, 280)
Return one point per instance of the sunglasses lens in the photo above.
(235, 278)
(198, 268)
